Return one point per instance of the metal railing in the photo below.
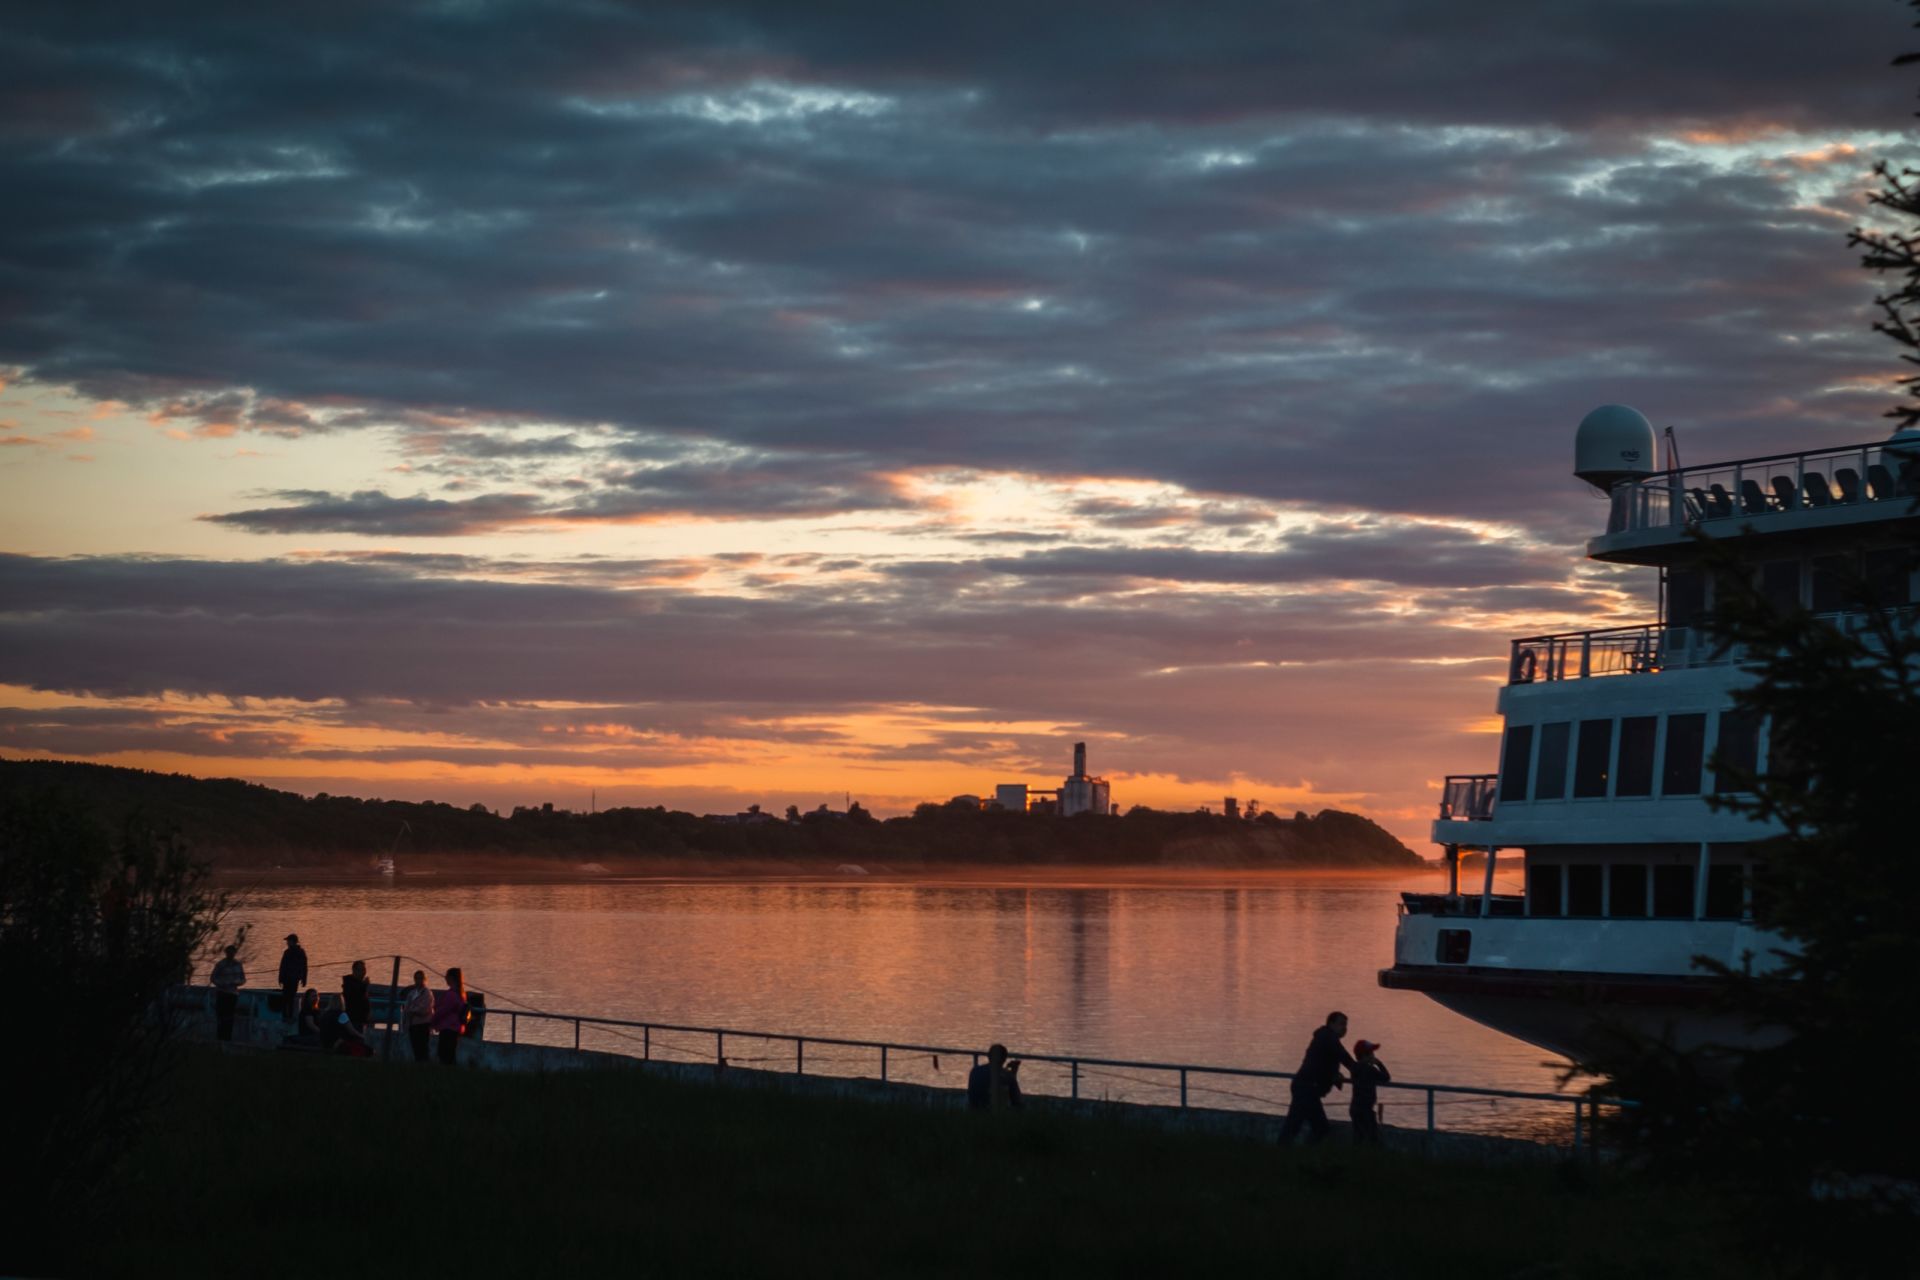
(1847, 476)
(1468, 797)
(884, 1057)
(1612, 651)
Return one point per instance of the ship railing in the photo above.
(1654, 647)
(1182, 1085)
(1847, 476)
(1612, 651)
(1468, 797)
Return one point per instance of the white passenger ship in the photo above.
(1607, 752)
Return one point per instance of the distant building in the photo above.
(751, 816)
(966, 802)
(1233, 807)
(1081, 793)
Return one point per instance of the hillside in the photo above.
(238, 824)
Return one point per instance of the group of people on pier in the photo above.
(338, 1024)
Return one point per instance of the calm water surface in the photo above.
(1232, 970)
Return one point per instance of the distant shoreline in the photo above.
(429, 870)
(234, 824)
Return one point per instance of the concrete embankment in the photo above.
(257, 1029)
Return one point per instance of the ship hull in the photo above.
(1582, 1015)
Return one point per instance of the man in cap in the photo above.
(293, 975)
(1363, 1108)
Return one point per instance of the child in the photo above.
(1369, 1073)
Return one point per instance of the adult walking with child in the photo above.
(1319, 1075)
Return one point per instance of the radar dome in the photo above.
(1614, 443)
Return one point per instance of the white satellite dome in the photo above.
(1614, 443)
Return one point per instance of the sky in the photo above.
(735, 403)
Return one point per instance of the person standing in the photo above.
(229, 975)
(450, 1015)
(355, 997)
(418, 1012)
(1319, 1075)
(293, 973)
(1369, 1073)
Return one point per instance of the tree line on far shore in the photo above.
(240, 824)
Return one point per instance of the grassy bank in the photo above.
(285, 1165)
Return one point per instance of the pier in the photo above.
(1196, 1096)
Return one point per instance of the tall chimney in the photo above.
(1079, 759)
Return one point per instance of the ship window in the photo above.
(1737, 756)
(1543, 891)
(1673, 893)
(1686, 744)
(1780, 584)
(1551, 782)
(1513, 762)
(1686, 597)
(1455, 945)
(1726, 892)
(1889, 576)
(1831, 577)
(1591, 763)
(1583, 890)
(1627, 889)
(1636, 756)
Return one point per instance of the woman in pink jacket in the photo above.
(450, 1015)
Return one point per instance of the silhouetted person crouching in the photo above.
(1319, 1075)
(1363, 1108)
(994, 1085)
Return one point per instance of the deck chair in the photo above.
(1752, 501)
(1849, 481)
(1719, 502)
(1880, 482)
(1814, 485)
(1696, 505)
(1783, 492)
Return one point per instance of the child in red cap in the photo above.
(1368, 1073)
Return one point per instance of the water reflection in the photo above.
(1236, 975)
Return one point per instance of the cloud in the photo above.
(377, 514)
(1378, 257)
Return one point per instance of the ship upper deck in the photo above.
(1796, 494)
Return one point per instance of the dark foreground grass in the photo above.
(282, 1165)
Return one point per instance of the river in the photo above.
(1229, 969)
